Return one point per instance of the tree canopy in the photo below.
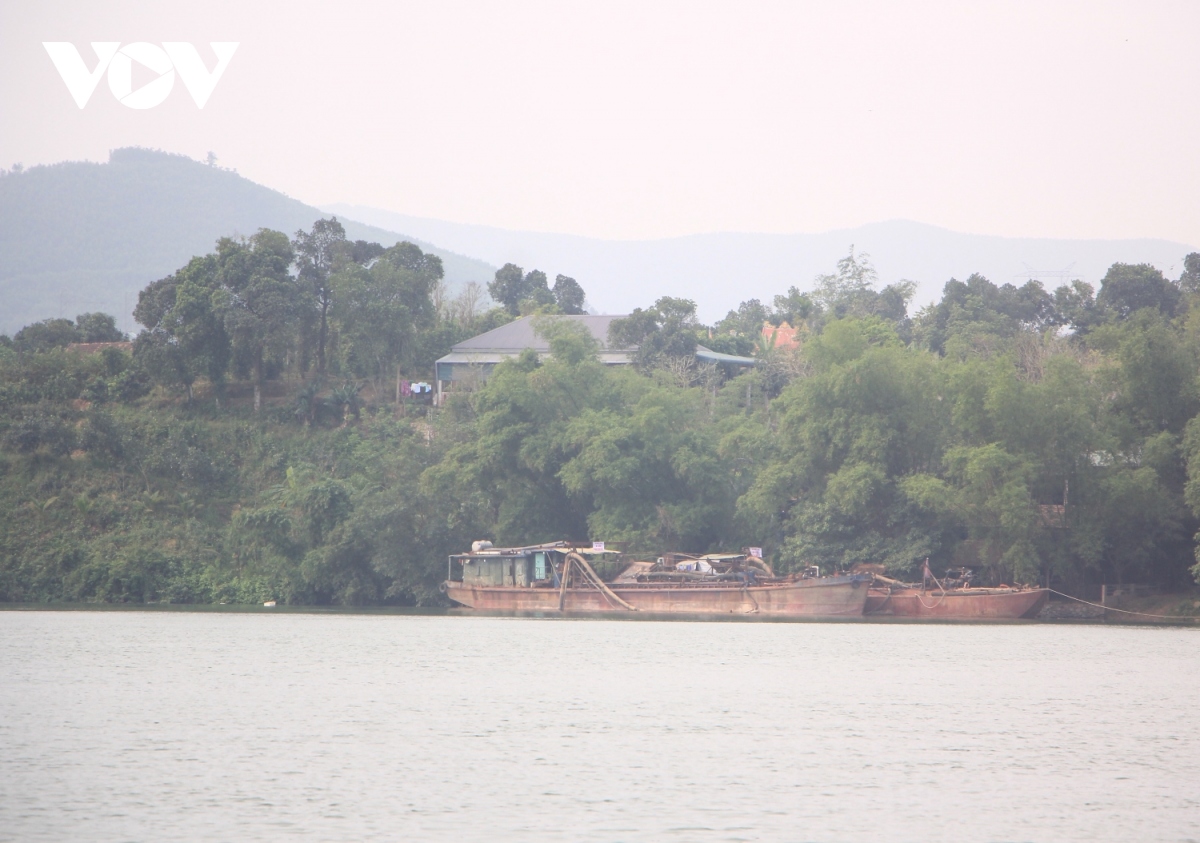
(521, 292)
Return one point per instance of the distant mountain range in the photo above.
(720, 270)
(78, 237)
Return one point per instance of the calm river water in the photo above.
(259, 726)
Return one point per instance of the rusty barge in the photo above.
(953, 598)
(563, 578)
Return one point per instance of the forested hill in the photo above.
(256, 441)
(79, 236)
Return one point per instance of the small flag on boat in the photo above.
(756, 552)
(598, 546)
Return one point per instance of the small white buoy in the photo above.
(269, 603)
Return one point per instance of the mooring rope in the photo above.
(1126, 611)
(921, 593)
(941, 599)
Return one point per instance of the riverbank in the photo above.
(227, 608)
(1178, 608)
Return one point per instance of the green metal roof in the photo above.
(708, 354)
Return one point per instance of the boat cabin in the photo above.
(501, 568)
(520, 567)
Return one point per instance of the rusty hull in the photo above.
(970, 604)
(830, 597)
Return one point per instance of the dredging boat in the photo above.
(564, 577)
(953, 598)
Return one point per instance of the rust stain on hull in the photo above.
(966, 605)
(804, 598)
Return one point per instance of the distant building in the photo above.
(784, 334)
(472, 360)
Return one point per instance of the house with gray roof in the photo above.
(473, 360)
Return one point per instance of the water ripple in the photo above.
(178, 726)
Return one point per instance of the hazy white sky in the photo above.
(644, 119)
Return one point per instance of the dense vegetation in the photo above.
(256, 442)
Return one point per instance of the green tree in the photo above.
(1189, 281)
(1153, 373)
(260, 302)
(795, 308)
(512, 287)
(976, 317)
(569, 296)
(381, 311)
(746, 321)
(507, 472)
(185, 336)
(160, 356)
(316, 254)
(537, 290)
(363, 252)
(850, 291)
(650, 472)
(44, 335)
(660, 333)
(868, 416)
(1075, 305)
(1128, 288)
(98, 327)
